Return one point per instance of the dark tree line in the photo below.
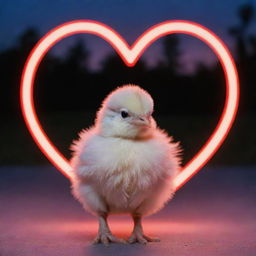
(68, 84)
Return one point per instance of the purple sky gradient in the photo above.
(129, 17)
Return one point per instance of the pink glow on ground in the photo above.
(123, 228)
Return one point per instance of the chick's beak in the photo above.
(141, 121)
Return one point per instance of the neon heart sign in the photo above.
(130, 56)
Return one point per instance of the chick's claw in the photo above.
(106, 238)
(151, 239)
(141, 238)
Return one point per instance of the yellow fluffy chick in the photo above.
(124, 164)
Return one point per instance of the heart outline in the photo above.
(130, 56)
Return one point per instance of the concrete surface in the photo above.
(213, 214)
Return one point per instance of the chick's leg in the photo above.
(104, 234)
(138, 234)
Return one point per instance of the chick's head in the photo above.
(127, 112)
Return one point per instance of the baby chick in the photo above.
(124, 164)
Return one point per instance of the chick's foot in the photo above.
(138, 236)
(106, 238)
(104, 234)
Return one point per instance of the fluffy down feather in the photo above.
(122, 166)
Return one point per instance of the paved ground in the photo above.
(214, 214)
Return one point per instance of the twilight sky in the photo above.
(129, 17)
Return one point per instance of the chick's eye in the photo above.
(124, 114)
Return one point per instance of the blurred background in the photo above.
(214, 213)
(180, 72)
